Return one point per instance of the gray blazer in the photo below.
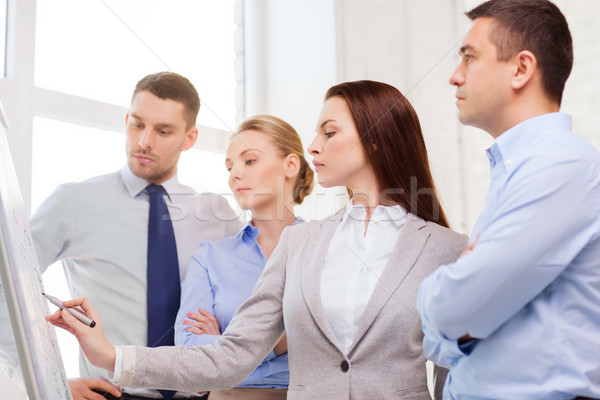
(385, 360)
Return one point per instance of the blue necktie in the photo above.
(163, 274)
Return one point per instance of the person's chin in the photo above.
(244, 204)
(322, 181)
(139, 170)
(463, 117)
(145, 172)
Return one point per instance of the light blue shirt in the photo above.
(530, 289)
(220, 277)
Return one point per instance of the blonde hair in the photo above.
(287, 140)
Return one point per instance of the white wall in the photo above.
(582, 92)
(290, 63)
(410, 45)
(414, 46)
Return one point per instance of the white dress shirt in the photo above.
(98, 228)
(355, 261)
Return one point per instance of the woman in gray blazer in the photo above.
(344, 289)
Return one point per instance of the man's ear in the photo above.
(190, 139)
(292, 165)
(525, 64)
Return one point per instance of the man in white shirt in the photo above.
(98, 228)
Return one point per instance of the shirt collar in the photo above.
(516, 141)
(252, 232)
(136, 185)
(381, 213)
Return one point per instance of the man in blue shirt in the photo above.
(518, 315)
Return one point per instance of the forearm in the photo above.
(215, 367)
(437, 347)
(526, 240)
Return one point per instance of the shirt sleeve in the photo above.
(540, 224)
(196, 292)
(51, 227)
(116, 374)
(255, 329)
(273, 371)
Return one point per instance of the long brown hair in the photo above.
(391, 137)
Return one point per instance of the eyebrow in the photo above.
(244, 152)
(465, 48)
(326, 122)
(247, 150)
(161, 125)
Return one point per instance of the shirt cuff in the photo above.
(117, 367)
(440, 349)
(124, 365)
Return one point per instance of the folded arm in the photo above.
(537, 229)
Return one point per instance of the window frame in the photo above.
(23, 101)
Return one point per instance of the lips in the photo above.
(317, 165)
(239, 191)
(142, 159)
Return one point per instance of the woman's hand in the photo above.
(202, 324)
(93, 342)
(281, 346)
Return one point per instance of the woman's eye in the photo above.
(329, 134)
(250, 162)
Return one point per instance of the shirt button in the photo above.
(376, 222)
(344, 366)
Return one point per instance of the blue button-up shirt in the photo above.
(530, 289)
(220, 277)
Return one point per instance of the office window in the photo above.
(65, 152)
(100, 49)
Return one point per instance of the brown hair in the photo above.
(391, 137)
(172, 86)
(537, 26)
(287, 140)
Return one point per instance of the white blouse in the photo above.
(354, 263)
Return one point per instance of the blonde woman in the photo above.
(268, 174)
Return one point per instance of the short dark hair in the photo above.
(172, 86)
(534, 25)
(390, 134)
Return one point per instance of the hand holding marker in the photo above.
(74, 311)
